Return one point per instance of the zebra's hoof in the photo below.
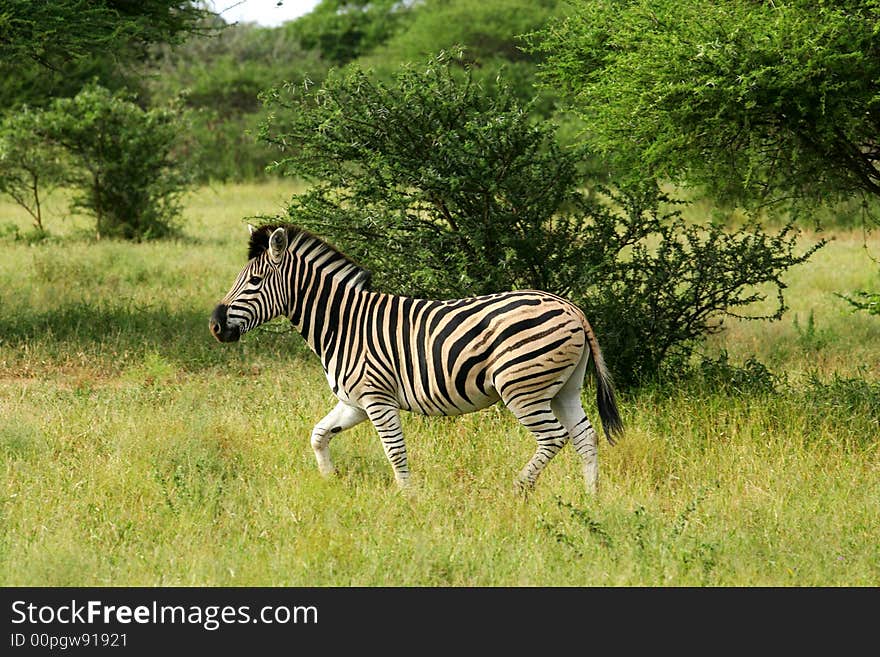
(522, 488)
(406, 488)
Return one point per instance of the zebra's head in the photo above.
(261, 289)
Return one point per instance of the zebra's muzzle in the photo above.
(220, 328)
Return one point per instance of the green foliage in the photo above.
(864, 300)
(123, 164)
(461, 186)
(220, 79)
(28, 166)
(490, 32)
(116, 154)
(444, 190)
(660, 284)
(27, 83)
(343, 30)
(226, 72)
(867, 301)
(52, 33)
(757, 101)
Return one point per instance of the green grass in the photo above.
(820, 332)
(135, 450)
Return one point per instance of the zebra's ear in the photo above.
(251, 229)
(277, 244)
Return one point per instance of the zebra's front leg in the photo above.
(386, 419)
(343, 416)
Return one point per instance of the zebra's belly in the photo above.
(417, 401)
(444, 406)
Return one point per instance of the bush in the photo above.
(28, 166)
(661, 284)
(459, 187)
(445, 190)
(750, 378)
(123, 162)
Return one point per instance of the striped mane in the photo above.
(259, 243)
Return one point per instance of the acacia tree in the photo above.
(53, 33)
(445, 189)
(53, 49)
(755, 101)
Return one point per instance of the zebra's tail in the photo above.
(605, 400)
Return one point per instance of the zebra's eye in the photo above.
(254, 280)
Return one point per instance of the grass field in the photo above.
(135, 450)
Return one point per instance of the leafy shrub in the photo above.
(752, 377)
(122, 161)
(445, 190)
(29, 168)
(459, 187)
(661, 283)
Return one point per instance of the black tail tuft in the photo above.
(611, 422)
(608, 413)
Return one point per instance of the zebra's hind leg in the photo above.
(551, 434)
(567, 407)
(343, 416)
(386, 419)
(583, 437)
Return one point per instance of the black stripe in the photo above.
(513, 329)
(526, 377)
(463, 372)
(522, 358)
(307, 305)
(320, 310)
(393, 335)
(421, 347)
(379, 333)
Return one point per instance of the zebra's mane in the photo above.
(259, 243)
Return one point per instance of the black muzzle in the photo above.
(220, 329)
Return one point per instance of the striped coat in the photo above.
(383, 353)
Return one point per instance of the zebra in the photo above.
(383, 353)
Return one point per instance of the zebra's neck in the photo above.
(324, 282)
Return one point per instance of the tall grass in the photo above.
(135, 450)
